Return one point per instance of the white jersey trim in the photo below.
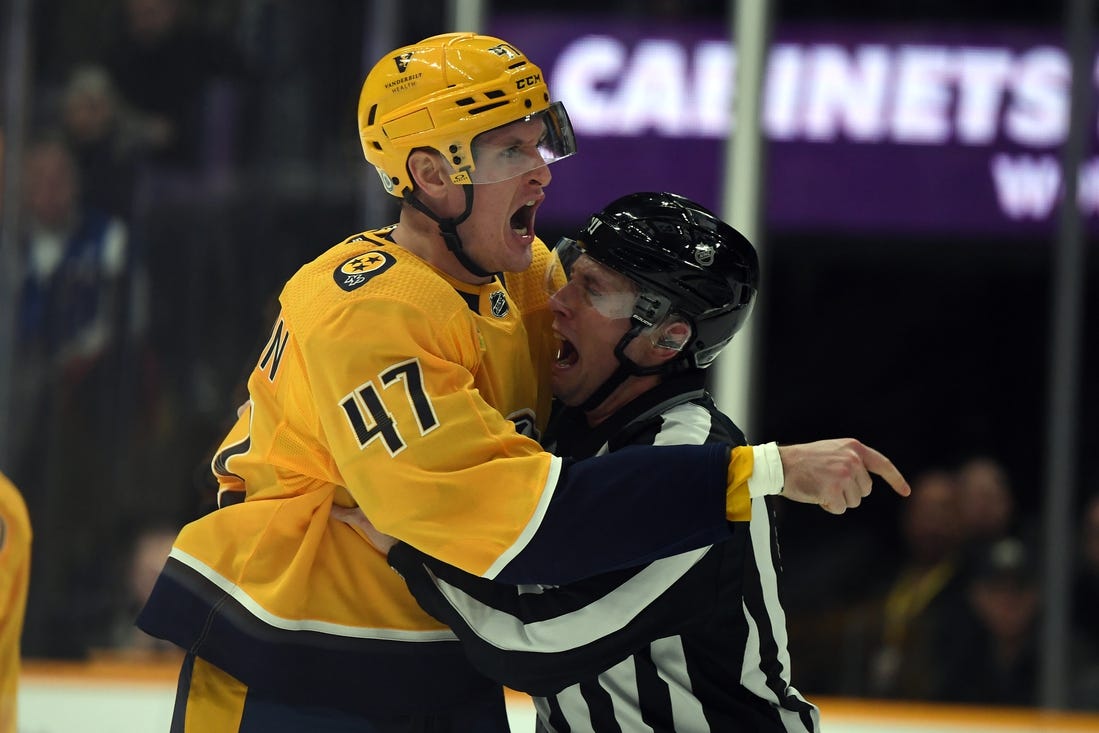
(535, 521)
(279, 622)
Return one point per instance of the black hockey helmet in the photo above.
(685, 260)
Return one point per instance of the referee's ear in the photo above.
(669, 337)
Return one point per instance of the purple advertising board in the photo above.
(869, 129)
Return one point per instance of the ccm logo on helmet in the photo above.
(528, 81)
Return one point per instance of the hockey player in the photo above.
(407, 374)
(15, 560)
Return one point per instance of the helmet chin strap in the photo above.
(604, 390)
(448, 228)
(627, 368)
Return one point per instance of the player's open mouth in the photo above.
(522, 221)
(567, 355)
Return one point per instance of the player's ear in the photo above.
(429, 172)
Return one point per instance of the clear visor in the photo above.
(574, 277)
(522, 146)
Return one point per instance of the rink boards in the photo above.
(126, 696)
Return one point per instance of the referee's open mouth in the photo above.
(567, 355)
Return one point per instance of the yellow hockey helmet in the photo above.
(441, 93)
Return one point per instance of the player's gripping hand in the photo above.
(835, 474)
(354, 516)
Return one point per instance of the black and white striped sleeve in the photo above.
(543, 639)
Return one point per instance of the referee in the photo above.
(643, 301)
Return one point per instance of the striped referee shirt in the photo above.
(695, 642)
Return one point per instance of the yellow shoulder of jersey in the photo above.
(339, 277)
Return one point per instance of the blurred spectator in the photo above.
(75, 259)
(164, 64)
(986, 500)
(905, 626)
(991, 652)
(108, 140)
(75, 335)
(1085, 610)
(988, 508)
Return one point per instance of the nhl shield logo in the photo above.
(704, 254)
(499, 303)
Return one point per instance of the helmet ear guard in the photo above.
(673, 333)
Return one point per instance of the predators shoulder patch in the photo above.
(357, 271)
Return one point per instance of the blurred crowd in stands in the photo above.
(954, 613)
(164, 197)
(183, 158)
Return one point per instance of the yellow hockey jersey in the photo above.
(387, 384)
(15, 560)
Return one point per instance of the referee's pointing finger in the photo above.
(877, 463)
